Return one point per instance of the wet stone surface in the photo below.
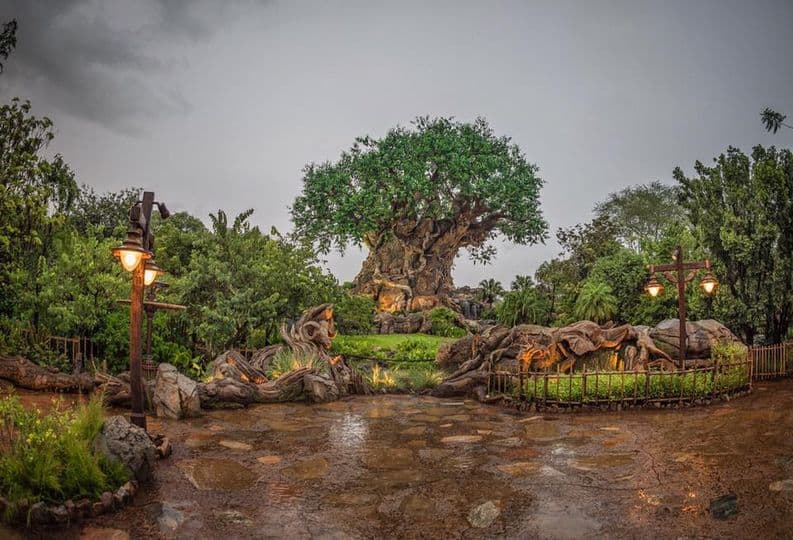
(383, 467)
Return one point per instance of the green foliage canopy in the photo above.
(446, 176)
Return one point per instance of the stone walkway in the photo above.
(418, 467)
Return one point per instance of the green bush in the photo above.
(354, 314)
(419, 377)
(444, 323)
(50, 458)
(389, 347)
(729, 351)
(624, 386)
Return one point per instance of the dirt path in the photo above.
(414, 467)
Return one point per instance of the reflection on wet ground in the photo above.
(412, 466)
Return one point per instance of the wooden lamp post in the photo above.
(676, 273)
(136, 254)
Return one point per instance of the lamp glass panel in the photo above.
(130, 259)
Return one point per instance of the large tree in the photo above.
(416, 197)
(742, 207)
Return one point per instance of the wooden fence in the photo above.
(772, 361)
(625, 387)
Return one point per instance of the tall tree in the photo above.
(416, 197)
(36, 193)
(595, 302)
(642, 212)
(8, 40)
(106, 214)
(742, 207)
(773, 120)
(490, 290)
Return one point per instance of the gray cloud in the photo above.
(114, 63)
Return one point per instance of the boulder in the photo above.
(175, 396)
(128, 444)
(701, 337)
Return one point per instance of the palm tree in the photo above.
(595, 302)
(490, 290)
(521, 282)
(523, 306)
(773, 120)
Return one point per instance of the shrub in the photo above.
(354, 314)
(444, 323)
(286, 361)
(728, 351)
(50, 458)
(420, 378)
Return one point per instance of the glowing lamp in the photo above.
(131, 252)
(151, 272)
(654, 287)
(708, 283)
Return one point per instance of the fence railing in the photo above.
(79, 351)
(772, 361)
(626, 387)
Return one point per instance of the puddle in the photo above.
(222, 474)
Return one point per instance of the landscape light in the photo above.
(151, 272)
(654, 287)
(708, 283)
(131, 252)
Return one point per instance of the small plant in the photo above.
(50, 457)
(286, 361)
(382, 379)
(728, 351)
(420, 378)
(443, 323)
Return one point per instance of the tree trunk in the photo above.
(25, 374)
(413, 275)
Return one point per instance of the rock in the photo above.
(175, 396)
(236, 445)
(71, 509)
(484, 515)
(83, 508)
(269, 460)
(701, 336)
(164, 449)
(39, 514)
(170, 519)
(319, 389)
(725, 506)
(59, 514)
(464, 439)
(128, 444)
(781, 485)
(107, 500)
(97, 509)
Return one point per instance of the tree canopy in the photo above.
(453, 176)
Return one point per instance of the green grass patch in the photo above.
(397, 348)
(627, 386)
(49, 457)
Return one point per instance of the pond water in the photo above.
(413, 466)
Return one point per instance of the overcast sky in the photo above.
(221, 107)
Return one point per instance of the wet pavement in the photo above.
(419, 467)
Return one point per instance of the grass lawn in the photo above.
(390, 347)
